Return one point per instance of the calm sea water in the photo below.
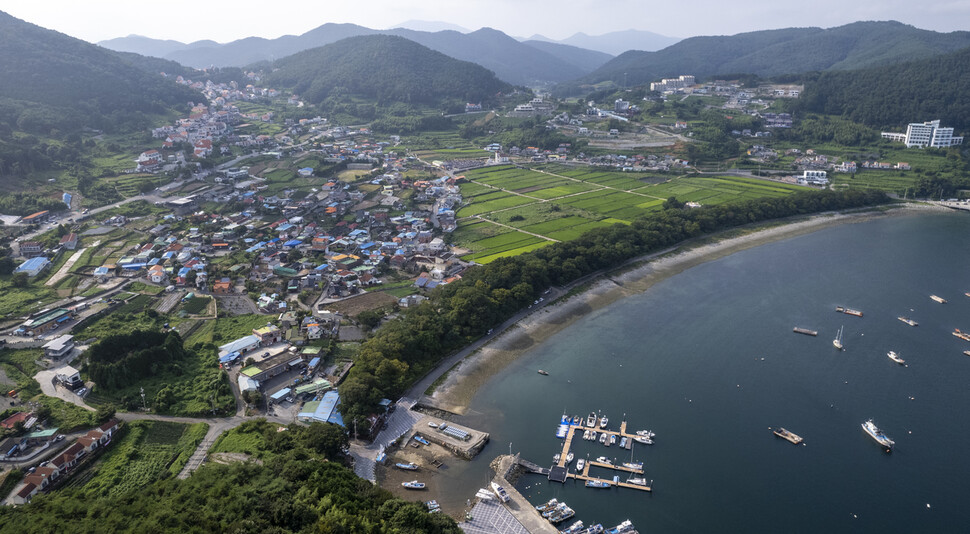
(707, 359)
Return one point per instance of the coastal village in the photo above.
(333, 230)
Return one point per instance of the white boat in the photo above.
(895, 357)
(591, 420)
(638, 466)
(878, 435)
(500, 492)
(574, 528)
(625, 526)
(646, 433)
(603, 438)
(410, 466)
(935, 298)
(549, 505)
(569, 458)
(623, 441)
(612, 439)
(580, 464)
(432, 424)
(637, 481)
(414, 484)
(603, 421)
(597, 484)
(592, 435)
(586, 435)
(644, 440)
(604, 460)
(837, 342)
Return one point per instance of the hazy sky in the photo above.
(186, 21)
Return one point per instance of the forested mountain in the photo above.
(53, 81)
(386, 68)
(895, 95)
(586, 60)
(614, 43)
(512, 61)
(773, 52)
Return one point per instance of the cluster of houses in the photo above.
(61, 466)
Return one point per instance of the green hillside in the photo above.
(65, 83)
(894, 95)
(785, 51)
(383, 68)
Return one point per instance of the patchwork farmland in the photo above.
(510, 210)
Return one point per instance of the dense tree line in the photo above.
(894, 95)
(24, 203)
(383, 68)
(117, 361)
(404, 349)
(299, 485)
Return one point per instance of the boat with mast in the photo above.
(837, 342)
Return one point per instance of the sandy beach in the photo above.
(464, 380)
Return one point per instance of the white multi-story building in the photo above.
(671, 84)
(923, 134)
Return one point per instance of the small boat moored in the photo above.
(543, 373)
(935, 298)
(414, 484)
(895, 357)
(604, 421)
(790, 436)
(848, 311)
(604, 460)
(908, 321)
(580, 464)
(500, 492)
(591, 420)
(597, 484)
(410, 466)
(837, 342)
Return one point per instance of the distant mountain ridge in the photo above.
(615, 43)
(783, 51)
(511, 60)
(387, 68)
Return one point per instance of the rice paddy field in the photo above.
(510, 210)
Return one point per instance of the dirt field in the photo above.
(368, 301)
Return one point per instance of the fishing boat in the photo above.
(908, 321)
(935, 298)
(414, 484)
(591, 420)
(604, 460)
(500, 492)
(574, 528)
(837, 342)
(549, 505)
(543, 373)
(410, 466)
(790, 436)
(603, 421)
(554, 510)
(625, 526)
(562, 515)
(421, 440)
(597, 484)
(595, 529)
(643, 439)
(580, 464)
(895, 357)
(433, 507)
(878, 435)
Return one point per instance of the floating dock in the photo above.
(560, 473)
(807, 332)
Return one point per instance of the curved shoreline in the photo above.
(464, 379)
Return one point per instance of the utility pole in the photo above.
(143, 405)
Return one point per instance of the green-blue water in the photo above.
(707, 359)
